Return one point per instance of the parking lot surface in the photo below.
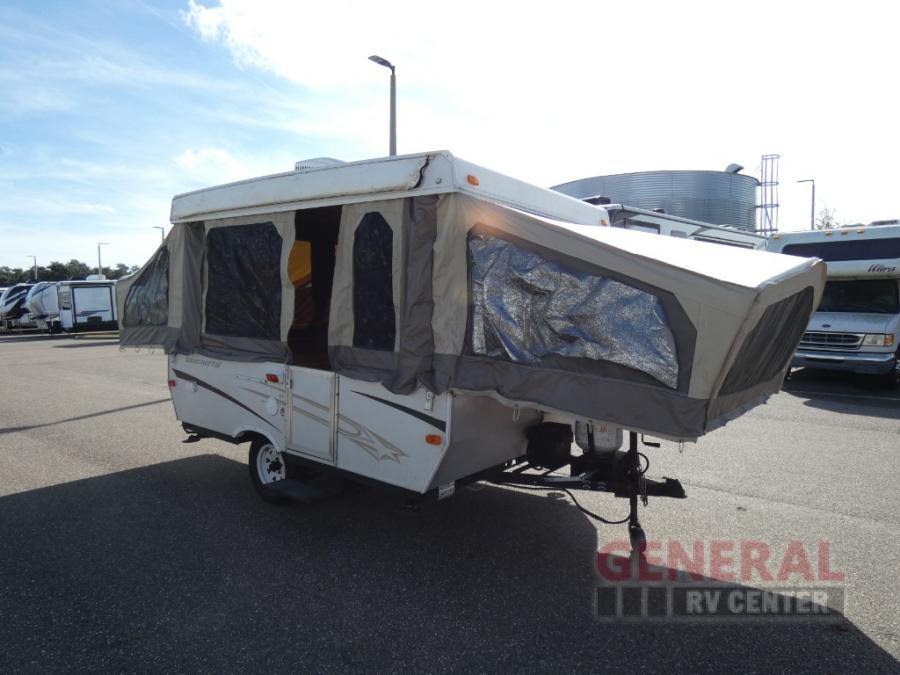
(121, 548)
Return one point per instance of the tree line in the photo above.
(59, 271)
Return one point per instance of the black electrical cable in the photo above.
(589, 514)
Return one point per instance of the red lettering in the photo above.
(612, 567)
(825, 573)
(651, 556)
(754, 555)
(721, 566)
(678, 559)
(795, 561)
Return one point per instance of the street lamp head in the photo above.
(382, 62)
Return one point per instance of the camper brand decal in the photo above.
(205, 385)
(203, 362)
(718, 580)
(881, 268)
(433, 421)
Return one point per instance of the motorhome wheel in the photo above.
(267, 465)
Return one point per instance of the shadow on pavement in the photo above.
(11, 430)
(846, 393)
(179, 566)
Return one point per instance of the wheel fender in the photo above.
(249, 432)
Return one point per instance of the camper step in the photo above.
(296, 489)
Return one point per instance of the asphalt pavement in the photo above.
(124, 549)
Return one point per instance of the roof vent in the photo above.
(734, 168)
(597, 200)
(659, 209)
(317, 163)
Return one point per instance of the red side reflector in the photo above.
(172, 383)
(433, 439)
(271, 377)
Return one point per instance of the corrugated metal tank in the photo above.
(717, 197)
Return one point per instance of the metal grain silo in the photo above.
(717, 197)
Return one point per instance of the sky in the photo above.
(109, 108)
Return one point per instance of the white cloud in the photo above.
(551, 93)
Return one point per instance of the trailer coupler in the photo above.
(620, 474)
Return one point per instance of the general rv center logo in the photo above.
(718, 580)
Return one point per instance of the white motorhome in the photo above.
(857, 325)
(87, 305)
(421, 322)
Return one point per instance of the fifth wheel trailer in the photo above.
(447, 323)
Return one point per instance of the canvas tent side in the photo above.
(455, 293)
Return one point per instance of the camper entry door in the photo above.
(312, 413)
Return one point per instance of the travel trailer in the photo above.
(87, 305)
(857, 325)
(41, 303)
(656, 222)
(422, 322)
(12, 308)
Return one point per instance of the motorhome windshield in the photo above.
(875, 296)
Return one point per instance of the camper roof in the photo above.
(378, 179)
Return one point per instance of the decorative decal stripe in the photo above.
(200, 383)
(433, 421)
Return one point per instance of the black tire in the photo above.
(264, 457)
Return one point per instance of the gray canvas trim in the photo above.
(403, 370)
(251, 350)
(154, 337)
(633, 405)
(191, 296)
(723, 409)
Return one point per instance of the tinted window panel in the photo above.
(243, 297)
(147, 303)
(373, 287)
(876, 296)
(856, 249)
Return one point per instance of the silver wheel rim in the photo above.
(270, 465)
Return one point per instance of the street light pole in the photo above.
(34, 258)
(99, 263)
(162, 232)
(393, 129)
(812, 208)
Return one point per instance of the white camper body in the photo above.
(87, 305)
(42, 304)
(419, 320)
(857, 325)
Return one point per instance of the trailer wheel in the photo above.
(267, 465)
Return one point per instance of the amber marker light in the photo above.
(433, 439)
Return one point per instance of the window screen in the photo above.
(525, 307)
(374, 322)
(771, 343)
(147, 303)
(243, 296)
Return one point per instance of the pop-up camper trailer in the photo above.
(421, 321)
